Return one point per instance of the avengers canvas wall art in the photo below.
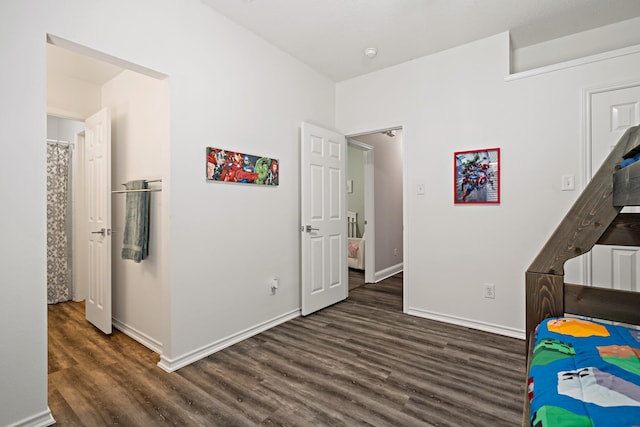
(234, 166)
(477, 176)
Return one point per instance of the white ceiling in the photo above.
(62, 63)
(330, 35)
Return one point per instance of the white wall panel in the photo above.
(459, 100)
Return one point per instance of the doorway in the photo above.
(375, 194)
(62, 135)
(80, 82)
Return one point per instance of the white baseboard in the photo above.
(42, 419)
(468, 323)
(152, 344)
(171, 365)
(387, 272)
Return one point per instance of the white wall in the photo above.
(72, 98)
(23, 366)
(458, 100)
(139, 108)
(63, 129)
(592, 42)
(227, 88)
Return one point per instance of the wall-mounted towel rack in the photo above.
(150, 180)
(145, 190)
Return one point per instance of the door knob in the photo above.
(309, 229)
(102, 231)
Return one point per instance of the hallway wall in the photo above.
(227, 88)
(140, 150)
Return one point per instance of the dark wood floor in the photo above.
(359, 362)
(356, 279)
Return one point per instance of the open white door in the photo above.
(323, 218)
(97, 199)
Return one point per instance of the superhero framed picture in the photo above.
(235, 166)
(476, 176)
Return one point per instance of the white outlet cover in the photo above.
(489, 290)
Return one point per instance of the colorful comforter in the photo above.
(584, 373)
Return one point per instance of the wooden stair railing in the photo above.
(592, 219)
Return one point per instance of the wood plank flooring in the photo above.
(359, 362)
(356, 279)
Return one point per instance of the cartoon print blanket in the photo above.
(584, 373)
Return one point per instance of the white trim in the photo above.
(405, 219)
(388, 272)
(468, 323)
(101, 56)
(380, 129)
(369, 215)
(369, 207)
(42, 419)
(361, 145)
(171, 365)
(574, 63)
(585, 260)
(144, 339)
(77, 226)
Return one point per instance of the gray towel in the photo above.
(135, 245)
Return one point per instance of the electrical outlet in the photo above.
(395, 251)
(489, 290)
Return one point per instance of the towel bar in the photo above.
(146, 190)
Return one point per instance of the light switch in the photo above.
(420, 189)
(568, 183)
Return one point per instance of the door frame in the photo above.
(587, 145)
(79, 260)
(369, 211)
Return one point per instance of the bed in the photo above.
(584, 373)
(355, 245)
(575, 364)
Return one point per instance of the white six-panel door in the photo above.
(97, 197)
(323, 218)
(612, 113)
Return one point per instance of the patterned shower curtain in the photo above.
(58, 249)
